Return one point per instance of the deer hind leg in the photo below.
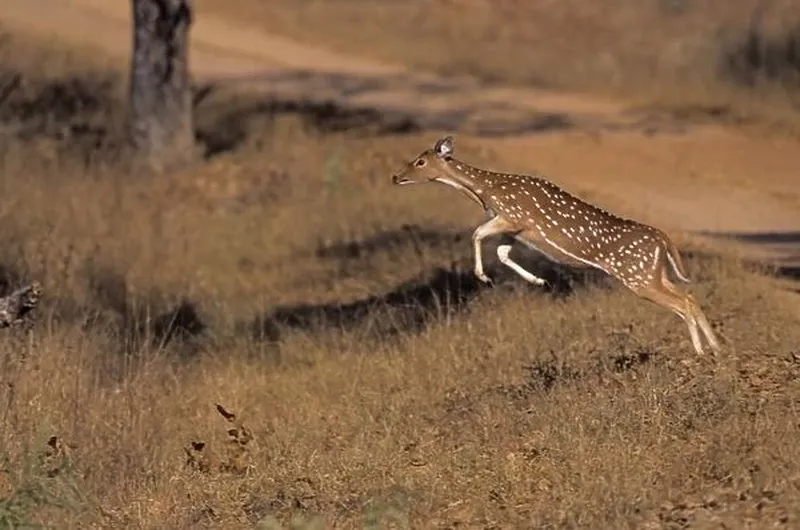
(665, 295)
(505, 259)
(705, 326)
(691, 321)
(693, 308)
(495, 225)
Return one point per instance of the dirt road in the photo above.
(694, 176)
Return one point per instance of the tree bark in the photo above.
(161, 125)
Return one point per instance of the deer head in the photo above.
(430, 165)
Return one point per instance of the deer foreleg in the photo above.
(505, 259)
(495, 225)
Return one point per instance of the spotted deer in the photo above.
(565, 229)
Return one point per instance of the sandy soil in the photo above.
(695, 176)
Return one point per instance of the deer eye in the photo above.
(420, 163)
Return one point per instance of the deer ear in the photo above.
(444, 147)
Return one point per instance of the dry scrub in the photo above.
(363, 377)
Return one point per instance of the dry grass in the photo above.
(439, 404)
(682, 52)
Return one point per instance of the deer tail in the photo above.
(675, 261)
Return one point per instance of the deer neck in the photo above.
(463, 177)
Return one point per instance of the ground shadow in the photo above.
(331, 102)
(142, 324)
(655, 119)
(414, 304)
(788, 271)
(149, 322)
(422, 241)
(85, 110)
(759, 53)
(10, 279)
(786, 246)
(408, 235)
(407, 102)
(229, 129)
(407, 308)
(764, 238)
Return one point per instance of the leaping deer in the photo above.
(565, 229)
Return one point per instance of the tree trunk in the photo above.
(161, 126)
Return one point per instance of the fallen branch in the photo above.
(16, 305)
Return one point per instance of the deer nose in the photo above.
(395, 179)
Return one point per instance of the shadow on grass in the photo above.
(786, 246)
(406, 236)
(414, 304)
(150, 323)
(758, 54)
(408, 308)
(10, 279)
(83, 110)
(224, 127)
(332, 102)
(143, 324)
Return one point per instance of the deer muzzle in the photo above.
(400, 179)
